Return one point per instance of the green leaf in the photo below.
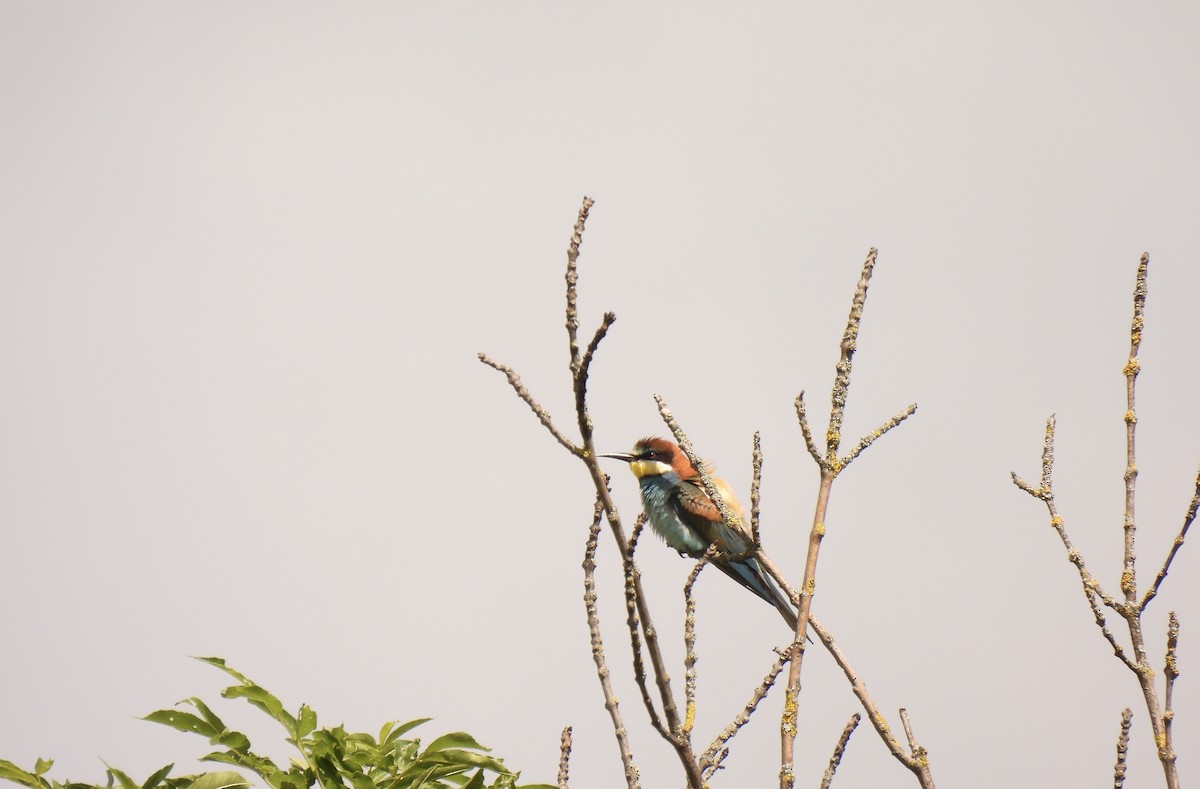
(456, 739)
(464, 759)
(42, 766)
(125, 781)
(220, 663)
(226, 779)
(265, 768)
(476, 781)
(157, 778)
(233, 740)
(262, 699)
(11, 772)
(360, 781)
(401, 729)
(183, 721)
(306, 722)
(216, 723)
(420, 780)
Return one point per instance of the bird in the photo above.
(683, 515)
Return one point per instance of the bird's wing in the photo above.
(697, 510)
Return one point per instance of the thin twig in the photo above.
(1102, 623)
(919, 755)
(1171, 673)
(689, 638)
(543, 416)
(838, 750)
(806, 430)
(875, 435)
(572, 278)
(610, 697)
(564, 745)
(710, 760)
(581, 375)
(1132, 367)
(1188, 517)
(633, 620)
(1122, 748)
(756, 464)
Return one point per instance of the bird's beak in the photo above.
(628, 458)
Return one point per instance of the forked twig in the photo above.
(830, 466)
(1129, 607)
(580, 364)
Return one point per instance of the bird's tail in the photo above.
(785, 609)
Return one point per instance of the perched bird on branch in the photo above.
(687, 519)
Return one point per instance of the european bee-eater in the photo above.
(685, 517)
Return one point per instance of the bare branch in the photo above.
(543, 416)
(918, 761)
(791, 702)
(639, 615)
(839, 749)
(610, 697)
(1129, 607)
(1122, 748)
(1188, 517)
(564, 753)
(830, 466)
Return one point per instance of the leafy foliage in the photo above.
(329, 758)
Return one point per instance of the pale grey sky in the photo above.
(251, 250)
